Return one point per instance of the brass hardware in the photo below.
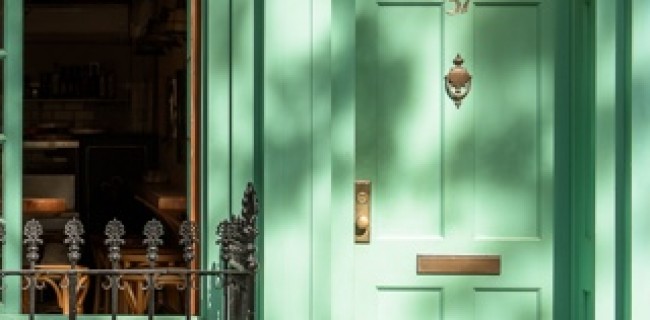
(458, 265)
(363, 223)
(460, 8)
(458, 81)
(362, 211)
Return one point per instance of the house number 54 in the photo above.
(460, 7)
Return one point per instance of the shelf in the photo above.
(67, 39)
(76, 100)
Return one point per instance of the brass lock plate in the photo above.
(362, 202)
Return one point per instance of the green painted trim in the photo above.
(242, 105)
(563, 291)
(342, 141)
(637, 89)
(3, 53)
(2, 138)
(322, 160)
(607, 163)
(623, 158)
(258, 153)
(288, 159)
(203, 162)
(582, 169)
(216, 139)
(12, 150)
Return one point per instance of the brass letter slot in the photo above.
(362, 211)
(458, 265)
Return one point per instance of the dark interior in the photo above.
(104, 124)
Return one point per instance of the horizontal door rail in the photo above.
(236, 239)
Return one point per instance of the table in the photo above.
(168, 202)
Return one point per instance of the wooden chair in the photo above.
(54, 258)
(135, 297)
(62, 294)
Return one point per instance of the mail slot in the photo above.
(459, 265)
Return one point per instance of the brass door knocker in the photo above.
(460, 8)
(458, 81)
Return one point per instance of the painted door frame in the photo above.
(230, 51)
(11, 141)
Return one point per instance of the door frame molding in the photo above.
(343, 157)
(12, 145)
(229, 124)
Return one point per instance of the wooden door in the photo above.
(472, 181)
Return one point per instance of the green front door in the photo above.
(11, 142)
(477, 180)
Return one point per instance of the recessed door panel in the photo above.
(408, 126)
(523, 304)
(508, 122)
(409, 303)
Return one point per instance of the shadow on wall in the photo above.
(503, 124)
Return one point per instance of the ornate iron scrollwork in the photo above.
(74, 229)
(237, 236)
(153, 231)
(188, 239)
(458, 81)
(3, 232)
(33, 232)
(237, 239)
(114, 233)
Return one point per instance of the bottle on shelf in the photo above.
(80, 81)
(55, 82)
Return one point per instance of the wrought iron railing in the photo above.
(236, 276)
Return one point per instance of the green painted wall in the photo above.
(216, 135)
(229, 122)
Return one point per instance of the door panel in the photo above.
(522, 304)
(408, 174)
(395, 303)
(445, 181)
(507, 126)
